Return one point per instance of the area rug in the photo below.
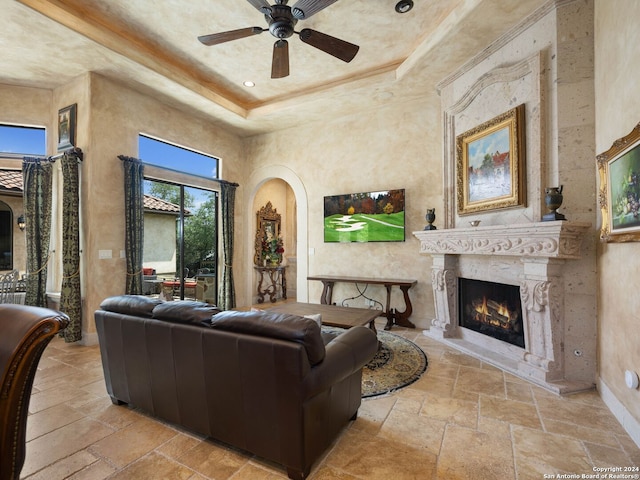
(398, 363)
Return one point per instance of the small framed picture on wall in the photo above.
(67, 127)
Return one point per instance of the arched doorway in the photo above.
(6, 237)
(296, 224)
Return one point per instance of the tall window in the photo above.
(181, 220)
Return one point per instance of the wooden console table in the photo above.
(393, 315)
(274, 276)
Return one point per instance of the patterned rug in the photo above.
(398, 363)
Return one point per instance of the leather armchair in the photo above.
(26, 331)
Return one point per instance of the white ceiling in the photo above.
(152, 46)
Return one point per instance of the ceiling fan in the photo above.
(282, 19)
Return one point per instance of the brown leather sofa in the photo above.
(271, 384)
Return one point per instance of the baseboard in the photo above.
(628, 422)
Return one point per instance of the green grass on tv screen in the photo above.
(379, 227)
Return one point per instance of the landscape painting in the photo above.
(365, 217)
(490, 164)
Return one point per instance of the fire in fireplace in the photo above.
(493, 309)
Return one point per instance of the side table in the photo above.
(272, 278)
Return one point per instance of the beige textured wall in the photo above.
(116, 116)
(23, 106)
(160, 243)
(394, 147)
(617, 106)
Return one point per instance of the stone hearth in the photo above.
(532, 256)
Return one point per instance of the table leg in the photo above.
(260, 291)
(387, 310)
(327, 292)
(402, 318)
(284, 284)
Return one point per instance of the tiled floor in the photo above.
(462, 420)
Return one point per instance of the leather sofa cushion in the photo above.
(275, 325)
(185, 311)
(136, 305)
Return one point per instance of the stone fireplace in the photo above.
(532, 257)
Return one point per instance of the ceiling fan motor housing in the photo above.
(281, 21)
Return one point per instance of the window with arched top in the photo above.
(6, 237)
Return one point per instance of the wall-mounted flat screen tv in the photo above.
(365, 217)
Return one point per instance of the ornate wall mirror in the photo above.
(268, 229)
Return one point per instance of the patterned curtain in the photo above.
(134, 222)
(37, 175)
(227, 297)
(71, 296)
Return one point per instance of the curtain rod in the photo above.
(75, 151)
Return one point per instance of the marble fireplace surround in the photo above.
(531, 256)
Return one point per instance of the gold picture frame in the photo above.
(619, 192)
(490, 164)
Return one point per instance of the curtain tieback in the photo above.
(44, 265)
(134, 273)
(73, 275)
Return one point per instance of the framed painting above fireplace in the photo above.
(619, 196)
(490, 164)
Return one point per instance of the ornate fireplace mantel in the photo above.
(558, 239)
(531, 256)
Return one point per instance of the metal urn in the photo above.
(430, 217)
(553, 200)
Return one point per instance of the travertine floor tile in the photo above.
(133, 441)
(212, 460)
(69, 466)
(375, 458)
(486, 382)
(451, 410)
(463, 420)
(61, 443)
(46, 421)
(469, 454)
(154, 466)
(538, 453)
(515, 413)
(413, 431)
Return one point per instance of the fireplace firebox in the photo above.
(493, 309)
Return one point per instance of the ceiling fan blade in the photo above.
(345, 51)
(262, 5)
(216, 38)
(280, 63)
(305, 8)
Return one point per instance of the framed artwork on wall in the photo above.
(619, 194)
(67, 127)
(490, 164)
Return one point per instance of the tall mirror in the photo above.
(268, 240)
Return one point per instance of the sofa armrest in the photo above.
(345, 355)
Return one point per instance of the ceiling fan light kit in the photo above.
(281, 20)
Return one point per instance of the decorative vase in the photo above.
(430, 217)
(553, 200)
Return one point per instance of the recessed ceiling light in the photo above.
(248, 83)
(403, 6)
